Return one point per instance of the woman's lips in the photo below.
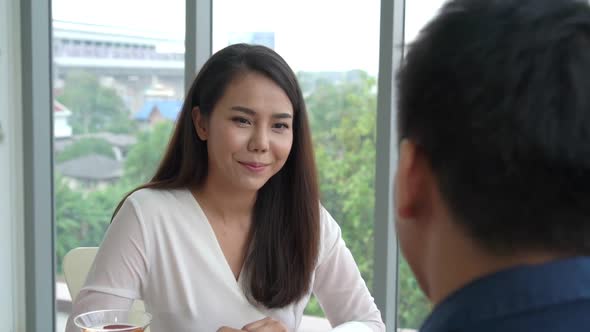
(254, 167)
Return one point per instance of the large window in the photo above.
(118, 84)
(333, 46)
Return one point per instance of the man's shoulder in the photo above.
(567, 317)
(553, 296)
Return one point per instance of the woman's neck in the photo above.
(228, 204)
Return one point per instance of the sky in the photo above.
(312, 35)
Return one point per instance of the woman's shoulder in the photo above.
(328, 225)
(151, 195)
(150, 199)
(157, 208)
(330, 233)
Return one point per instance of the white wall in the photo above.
(12, 285)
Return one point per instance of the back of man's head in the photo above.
(497, 95)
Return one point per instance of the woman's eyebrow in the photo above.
(251, 112)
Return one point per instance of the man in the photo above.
(493, 183)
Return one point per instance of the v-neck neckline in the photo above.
(213, 236)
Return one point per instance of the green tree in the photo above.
(82, 218)
(343, 119)
(343, 124)
(94, 107)
(143, 157)
(84, 147)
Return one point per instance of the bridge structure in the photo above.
(140, 65)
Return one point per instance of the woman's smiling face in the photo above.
(249, 133)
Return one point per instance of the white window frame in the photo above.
(12, 293)
(386, 247)
(37, 164)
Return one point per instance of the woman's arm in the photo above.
(338, 284)
(118, 273)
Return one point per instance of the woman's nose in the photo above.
(259, 141)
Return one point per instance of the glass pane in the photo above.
(413, 307)
(335, 56)
(118, 84)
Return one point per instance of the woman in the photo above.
(229, 234)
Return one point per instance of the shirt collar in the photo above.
(512, 291)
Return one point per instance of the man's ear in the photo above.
(408, 181)
(200, 122)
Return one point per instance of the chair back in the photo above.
(76, 264)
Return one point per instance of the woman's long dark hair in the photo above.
(285, 235)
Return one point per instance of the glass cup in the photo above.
(113, 321)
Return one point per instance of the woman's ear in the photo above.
(200, 123)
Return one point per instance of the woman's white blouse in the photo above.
(161, 249)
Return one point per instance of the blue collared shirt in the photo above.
(540, 298)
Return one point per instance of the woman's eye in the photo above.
(241, 121)
(281, 126)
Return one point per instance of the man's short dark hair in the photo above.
(496, 93)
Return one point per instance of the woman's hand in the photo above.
(227, 329)
(265, 325)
